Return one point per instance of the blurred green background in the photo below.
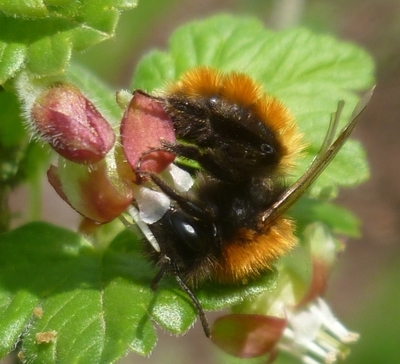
(363, 290)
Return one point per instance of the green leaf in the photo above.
(97, 92)
(309, 72)
(20, 158)
(133, 31)
(29, 8)
(12, 58)
(42, 35)
(96, 303)
(338, 219)
(93, 300)
(11, 128)
(51, 54)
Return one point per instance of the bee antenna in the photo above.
(199, 308)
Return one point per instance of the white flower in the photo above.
(315, 335)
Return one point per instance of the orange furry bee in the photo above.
(230, 227)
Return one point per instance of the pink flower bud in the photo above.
(71, 124)
(144, 126)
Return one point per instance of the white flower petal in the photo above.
(181, 179)
(134, 213)
(152, 204)
(305, 326)
(314, 334)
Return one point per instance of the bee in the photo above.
(231, 226)
(234, 130)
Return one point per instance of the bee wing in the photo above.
(327, 152)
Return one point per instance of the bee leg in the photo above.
(195, 301)
(211, 160)
(185, 150)
(165, 263)
(186, 203)
(167, 267)
(145, 154)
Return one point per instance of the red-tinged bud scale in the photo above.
(247, 336)
(144, 126)
(97, 193)
(72, 125)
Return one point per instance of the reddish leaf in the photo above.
(247, 336)
(319, 279)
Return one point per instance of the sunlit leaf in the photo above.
(42, 35)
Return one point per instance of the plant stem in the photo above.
(287, 13)
(5, 213)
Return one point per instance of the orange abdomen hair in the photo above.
(249, 253)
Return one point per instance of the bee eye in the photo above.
(188, 229)
(212, 102)
(266, 148)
